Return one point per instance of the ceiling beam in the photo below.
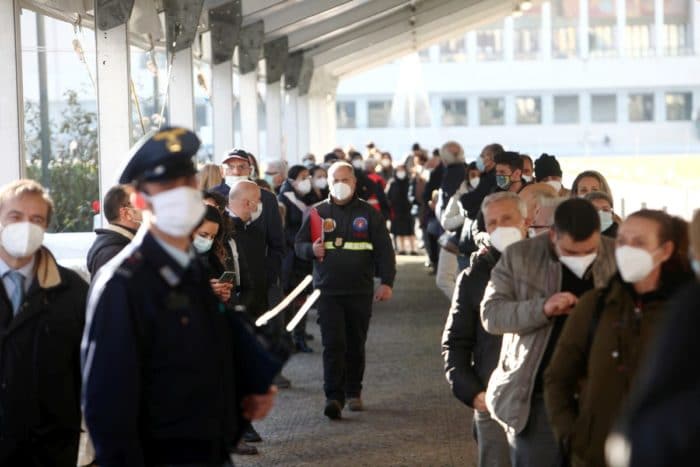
(339, 24)
(389, 50)
(296, 14)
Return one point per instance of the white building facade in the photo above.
(568, 77)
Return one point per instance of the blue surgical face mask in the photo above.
(503, 181)
(480, 164)
(606, 220)
(695, 264)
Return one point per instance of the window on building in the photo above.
(602, 27)
(60, 117)
(641, 107)
(679, 106)
(489, 42)
(345, 114)
(526, 34)
(424, 55)
(678, 38)
(528, 110)
(604, 108)
(492, 111)
(453, 50)
(565, 17)
(639, 30)
(454, 112)
(378, 113)
(566, 109)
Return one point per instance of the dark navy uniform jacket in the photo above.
(357, 245)
(165, 366)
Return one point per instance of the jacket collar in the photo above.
(47, 273)
(121, 230)
(159, 259)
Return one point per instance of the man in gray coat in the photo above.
(532, 289)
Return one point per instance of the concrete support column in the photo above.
(623, 99)
(181, 91)
(546, 31)
(583, 28)
(11, 98)
(289, 125)
(510, 114)
(585, 105)
(508, 40)
(113, 104)
(473, 110)
(273, 120)
(249, 113)
(695, 12)
(659, 33)
(471, 47)
(329, 117)
(621, 13)
(222, 108)
(547, 109)
(659, 106)
(303, 129)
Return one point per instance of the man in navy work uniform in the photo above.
(169, 376)
(354, 244)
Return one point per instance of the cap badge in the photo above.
(172, 138)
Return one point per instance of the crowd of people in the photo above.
(566, 325)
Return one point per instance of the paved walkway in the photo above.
(411, 418)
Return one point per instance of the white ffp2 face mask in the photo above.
(556, 184)
(578, 264)
(257, 213)
(178, 211)
(21, 239)
(341, 191)
(321, 183)
(503, 237)
(633, 263)
(474, 182)
(201, 244)
(233, 179)
(304, 186)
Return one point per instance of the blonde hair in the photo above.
(209, 176)
(24, 187)
(694, 230)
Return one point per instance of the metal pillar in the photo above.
(249, 113)
(659, 31)
(621, 24)
(583, 29)
(273, 120)
(113, 103)
(303, 128)
(181, 90)
(290, 125)
(11, 99)
(222, 108)
(546, 31)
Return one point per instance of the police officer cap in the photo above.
(162, 155)
(236, 154)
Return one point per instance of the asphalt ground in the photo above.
(410, 417)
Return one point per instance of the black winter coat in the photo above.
(294, 269)
(470, 353)
(40, 368)
(107, 244)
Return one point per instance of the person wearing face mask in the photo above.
(42, 312)
(169, 375)
(532, 289)
(367, 189)
(402, 223)
(319, 186)
(309, 161)
(208, 242)
(660, 424)
(547, 170)
(351, 246)
(387, 167)
(528, 169)
(294, 195)
(470, 353)
(276, 174)
(609, 221)
(123, 221)
(589, 181)
(609, 332)
(541, 201)
(454, 217)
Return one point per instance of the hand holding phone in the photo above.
(228, 276)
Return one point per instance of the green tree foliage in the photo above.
(73, 176)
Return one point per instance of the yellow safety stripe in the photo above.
(355, 246)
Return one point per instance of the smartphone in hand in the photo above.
(228, 276)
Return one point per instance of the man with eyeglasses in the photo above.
(123, 222)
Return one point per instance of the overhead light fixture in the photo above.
(525, 5)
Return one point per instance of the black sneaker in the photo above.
(245, 449)
(333, 409)
(251, 435)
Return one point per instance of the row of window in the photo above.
(528, 110)
(639, 32)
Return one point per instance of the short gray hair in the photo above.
(337, 165)
(505, 196)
